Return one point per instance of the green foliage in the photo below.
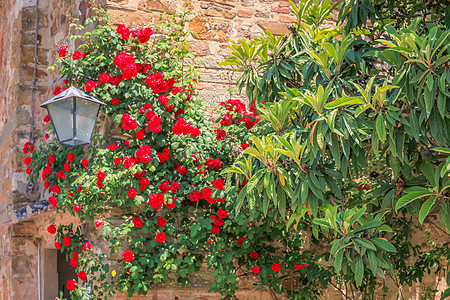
(354, 131)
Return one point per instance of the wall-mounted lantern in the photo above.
(73, 114)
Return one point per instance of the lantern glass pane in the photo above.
(61, 113)
(86, 116)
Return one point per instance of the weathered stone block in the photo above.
(274, 27)
(245, 13)
(24, 228)
(29, 19)
(155, 5)
(205, 28)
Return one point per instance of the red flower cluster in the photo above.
(62, 51)
(181, 170)
(363, 186)
(100, 177)
(163, 156)
(77, 55)
(213, 163)
(123, 31)
(143, 154)
(235, 107)
(143, 35)
(91, 84)
(218, 184)
(156, 200)
(128, 122)
(157, 84)
(184, 128)
(154, 121)
(165, 187)
(126, 63)
(27, 148)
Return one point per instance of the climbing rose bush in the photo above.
(151, 179)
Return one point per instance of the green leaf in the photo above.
(365, 243)
(381, 129)
(372, 262)
(322, 222)
(383, 244)
(410, 197)
(427, 207)
(345, 101)
(338, 260)
(359, 271)
(445, 294)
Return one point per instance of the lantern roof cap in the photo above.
(72, 92)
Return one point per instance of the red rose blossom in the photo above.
(70, 157)
(132, 193)
(85, 162)
(82, 276)
(77, 55)
(276, 267)
(58, 245)
(51, 229)
(254, 255)
(256, 269)
(298, 266)
(128, 256)
(74, 262)
(161, 222)
(86, 246)
(215, 230)
(71, 285)
(137, 222)
(218, 184)
(160, 237)
(67, 240)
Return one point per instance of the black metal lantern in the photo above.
(73, 114)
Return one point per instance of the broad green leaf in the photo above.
(410, 197)
(345, 101)
(383, 244)
(381, 128)
(427, 207)
(359, 271)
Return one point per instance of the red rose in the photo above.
(99, 223)
(222, 214)
(244, 146)
(161, 222)
(215, 230)
(137, 222)
(82, 276)
(220, 134)
(70, 157)
(254, 255)
(171, 205)
(46, 119)
(256, 269)
(27, 160)
(75, 254)
(160, 237)
(56, 189)
(86, 246)
(51, 159)
(218, 222)
(117, 161)
(77, 207)
(112, 147)
(71, 285)
(74, 262)
(181, 170)
(77, 55)
(156, 200)
(104, 77)
(241, 240)
(132, 193)
(85, 162)
(298, 266)
(62, 51)
(58, 245)
(53, 201)
(195, 196)
(276, 267)
(114, 101)
(163, 157)
(174, 187)
(51, 229)
(67, 167)
(128, 256)
(218, 184)
(164, 187)
(67, 240)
